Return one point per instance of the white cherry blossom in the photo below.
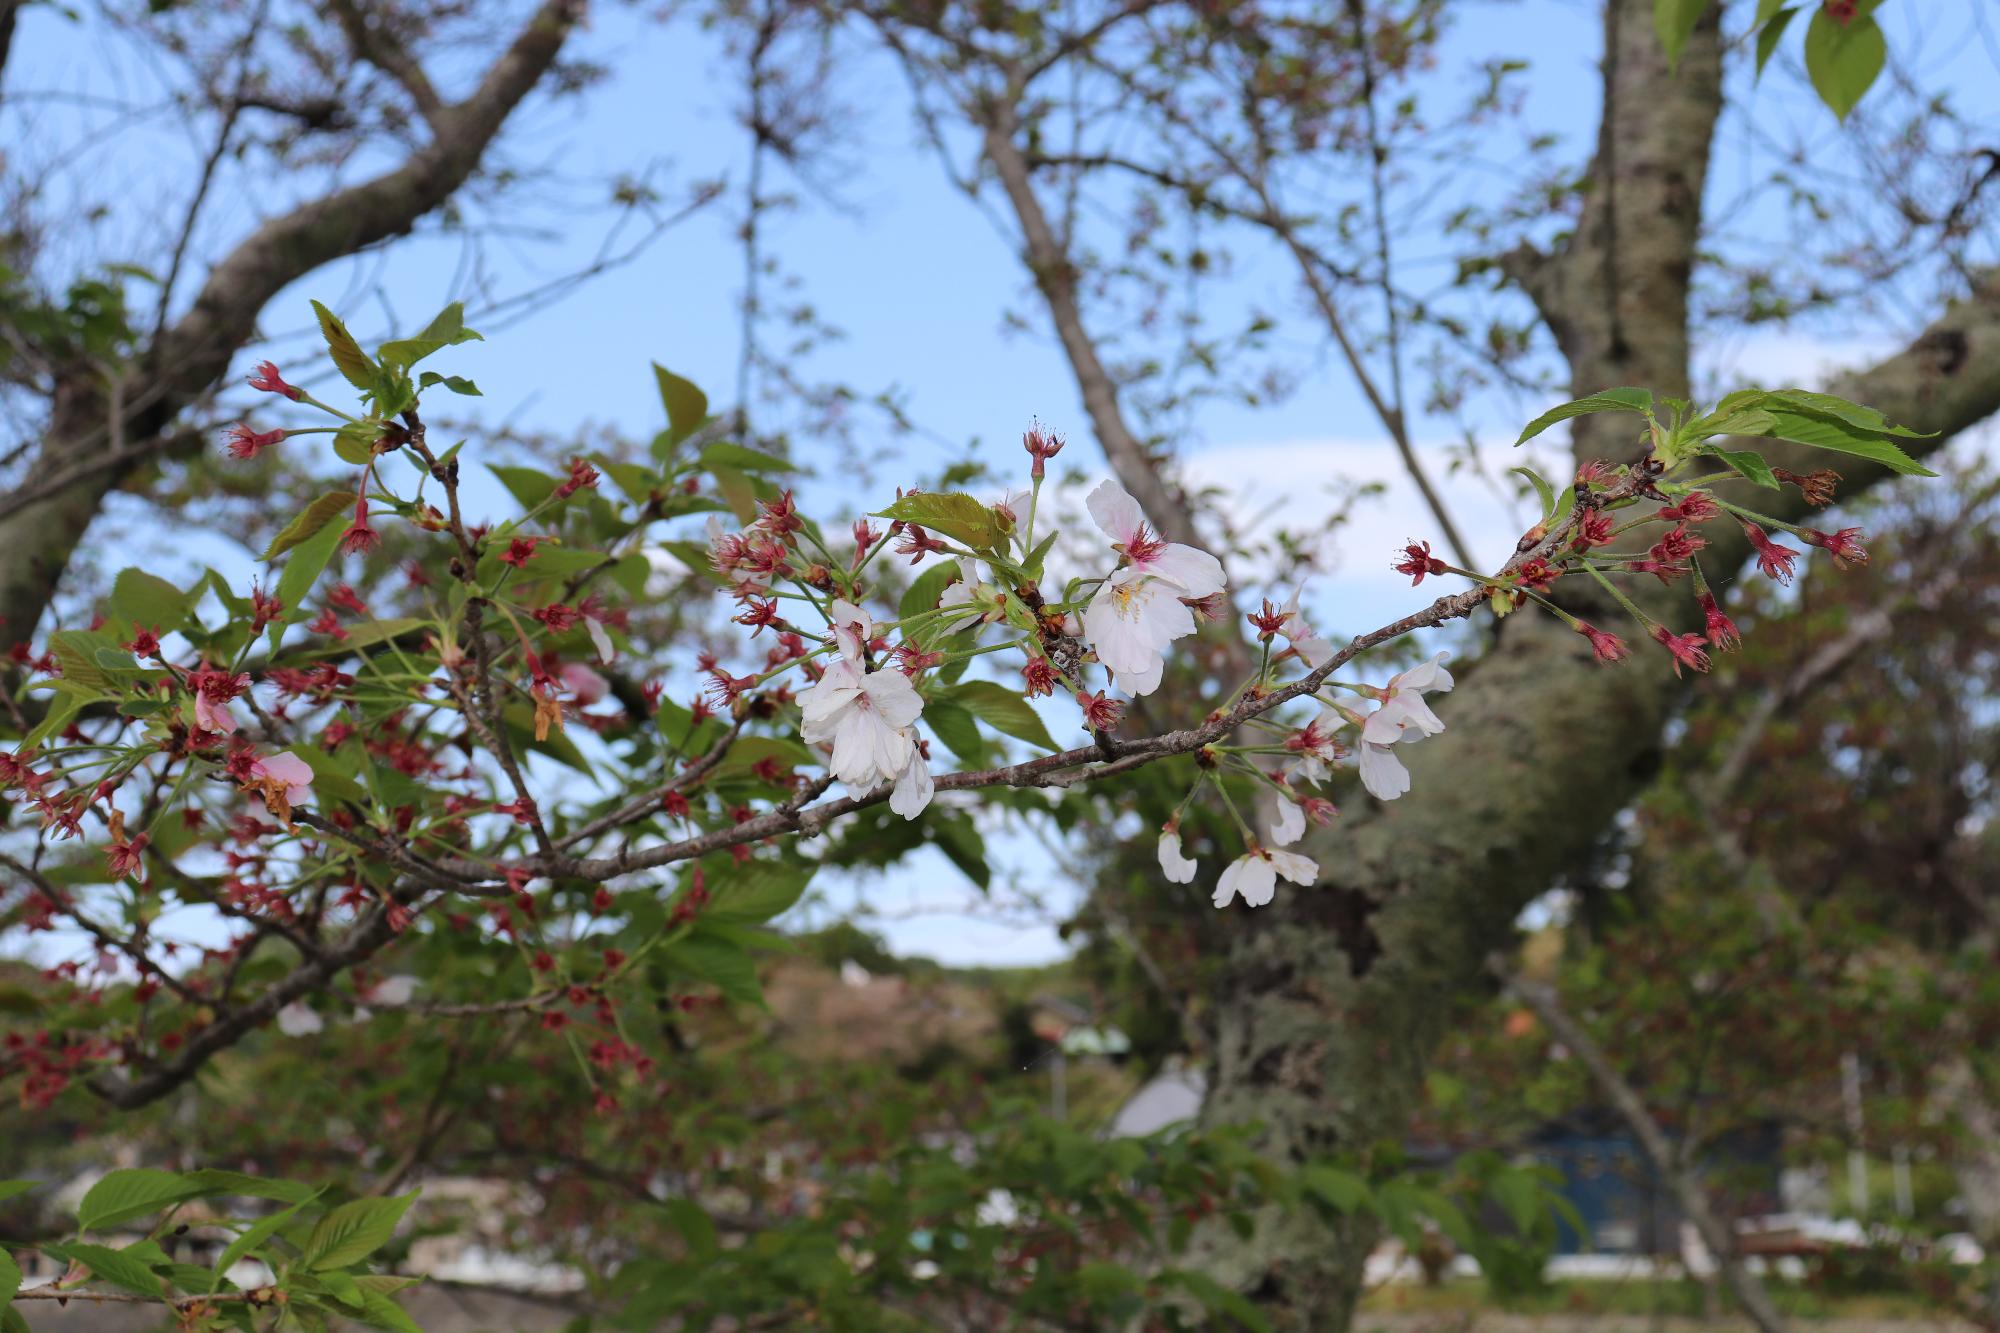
(1254, 875)
(1289, 826)
(1195, 573)
(866, 718)
(914, 787)
(852, 629)
(968, 592)
(300, 1020)
(1174, 863)
(1305, 641)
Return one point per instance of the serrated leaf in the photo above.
(456, 383)
(253, 1236)
(1608, 400)
(1003, 710)
(953, 513)
(1674, 21)
(1747, 464)
(721, 963)
(332, 505)
(446, 330)
(132, 1192)
(1843, 60)
(120, 1269)
(353, 1231)
(348, 358)
(686, 404)
(1825, 433)
(758, 891)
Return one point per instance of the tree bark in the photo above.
(42, 528)
(1331, 999)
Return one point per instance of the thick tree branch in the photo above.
(188, 359)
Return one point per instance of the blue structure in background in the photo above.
(1626, 1208)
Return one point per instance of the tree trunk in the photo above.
(1332, 999)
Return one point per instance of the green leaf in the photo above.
(446, 330)
(456, 383)
(1747, 464)
(303, 567)
(687, 406)
(10, 1278)
(132, 1192)
(310, 520)
(1674, 20)
(1218, 1299)
(347, 354)
(926, 588)
(1823, 433)
(953, 513)
(253, 1236)
(1542, 489)
(954, 726)
(1609, 400)
(377, 1310)
(959, 840)
(1766, 11)
(719, 962)
(353, 1231)
(1003, 710)
(694, 1225)
(354, 443)
(1840, 409)
(147, 599)
(1771, 33)
(528, 487)
(116, 1267)
(10, 1188)
(1520, 1194)
(1843, 59)
(1339, 1189)
(758, 891)
(723, 454)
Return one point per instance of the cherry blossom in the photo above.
(1254, 876)
(1305, 641)
(1175, 864)
(865, 718)
(300, 1020)
(1289, 825)
(914, 787)
(968, 592)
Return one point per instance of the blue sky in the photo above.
(918, 279)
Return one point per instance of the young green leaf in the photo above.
(348, 357)
(332, 505)
(1747, 464)
(687, 406)
(1608, 400)
(1545, 491)
(953, 513)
